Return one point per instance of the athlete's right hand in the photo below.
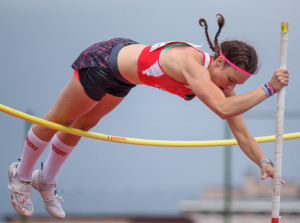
(280, 79)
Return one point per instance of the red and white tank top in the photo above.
(151, 73)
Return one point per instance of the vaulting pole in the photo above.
(279, 128)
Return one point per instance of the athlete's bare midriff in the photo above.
(128, 62)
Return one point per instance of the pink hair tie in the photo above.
(233, 65)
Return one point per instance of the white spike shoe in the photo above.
(20, 192)
(49, 195)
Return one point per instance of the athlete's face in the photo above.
(225, 76)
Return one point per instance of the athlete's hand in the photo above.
(280, 79)
(268, 171)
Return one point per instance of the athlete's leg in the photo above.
(91, 118)
(64, 143)
(72, 103)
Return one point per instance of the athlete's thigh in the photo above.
(71, 103)
(91, 118)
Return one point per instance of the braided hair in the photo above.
(239, 53)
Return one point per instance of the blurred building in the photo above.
(97, 219)
(250, 203)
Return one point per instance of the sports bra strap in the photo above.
(207, 60)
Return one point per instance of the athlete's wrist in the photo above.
(267, 160)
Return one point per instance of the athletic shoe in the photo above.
(48, 192)
(20, 192)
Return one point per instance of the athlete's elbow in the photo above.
(223, 116)
(224, 112)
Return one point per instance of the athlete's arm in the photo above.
(245, 140)
(198, 78)
(247, 143)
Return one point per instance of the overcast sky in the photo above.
(40, 40)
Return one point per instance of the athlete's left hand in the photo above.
(268, 171)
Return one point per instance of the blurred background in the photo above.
(40, 40)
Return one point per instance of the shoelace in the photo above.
(56, 202)
(59, 198)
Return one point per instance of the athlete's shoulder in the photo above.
(163, 44)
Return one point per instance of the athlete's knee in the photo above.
(62, 120)
(85, 125)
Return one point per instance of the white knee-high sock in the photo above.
(33, 148)
(56, 158)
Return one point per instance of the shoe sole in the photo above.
(18, 208)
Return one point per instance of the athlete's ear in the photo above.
(220, 61)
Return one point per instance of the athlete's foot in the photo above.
(48, 192)
(20, 192)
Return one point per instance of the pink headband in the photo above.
(236, 67)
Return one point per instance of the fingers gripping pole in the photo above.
(279, 128)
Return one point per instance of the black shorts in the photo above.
(103, 76)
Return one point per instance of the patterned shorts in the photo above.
(97, 70)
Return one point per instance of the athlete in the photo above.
(105, 73)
